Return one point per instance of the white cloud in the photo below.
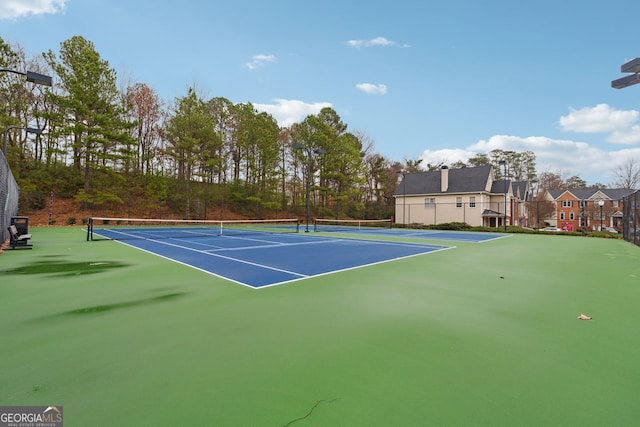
(629, 135)
(565, 155)
(446, 156)
(375, 42)
(372, 89)
(575, 158)
(260, 60)
(290, 111)
(621, 125)
(14, 9)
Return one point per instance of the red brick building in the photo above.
(587, 208)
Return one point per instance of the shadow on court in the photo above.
(65, 268)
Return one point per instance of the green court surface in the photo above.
(485, 334)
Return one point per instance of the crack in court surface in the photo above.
(311, 411)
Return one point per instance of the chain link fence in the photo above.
(631, 218)
(488, 214)
(9, 195)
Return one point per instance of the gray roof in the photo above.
(501, 186)
(521, 189)
(588, 193)
(463, 180)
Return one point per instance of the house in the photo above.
(587, 208)
(468, 194)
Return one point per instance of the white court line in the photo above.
(275, 245)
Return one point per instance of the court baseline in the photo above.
(460, 236)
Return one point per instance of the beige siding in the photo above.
(413, 210)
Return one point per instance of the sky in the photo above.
(440, 81)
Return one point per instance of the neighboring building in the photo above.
(467, 195)
(580, 208)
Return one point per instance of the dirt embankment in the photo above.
(67, 211)
(57, 212)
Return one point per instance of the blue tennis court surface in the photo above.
(261, 260)
(460, 236)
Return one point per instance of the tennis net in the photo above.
(349, 225)
(102, 228)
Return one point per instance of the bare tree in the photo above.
(627, 175)
(550, 181)
(540, 209)
(146, 109)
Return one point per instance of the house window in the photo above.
(582, 203)
(458, 202)
(572, 216)
(615, 203)
(429, 202)
(472, 201)
(567, 203)
(562, 215)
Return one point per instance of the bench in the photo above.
(18, 241)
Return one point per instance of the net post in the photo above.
(89, 228)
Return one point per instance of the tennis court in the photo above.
(256, 254)
(484, 335)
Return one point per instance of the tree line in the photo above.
(106, 145)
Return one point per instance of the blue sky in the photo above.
(438, 80)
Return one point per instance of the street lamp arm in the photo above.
(6, 70)
(32, 76)
(13, 127)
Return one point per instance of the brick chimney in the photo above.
(444, 178)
